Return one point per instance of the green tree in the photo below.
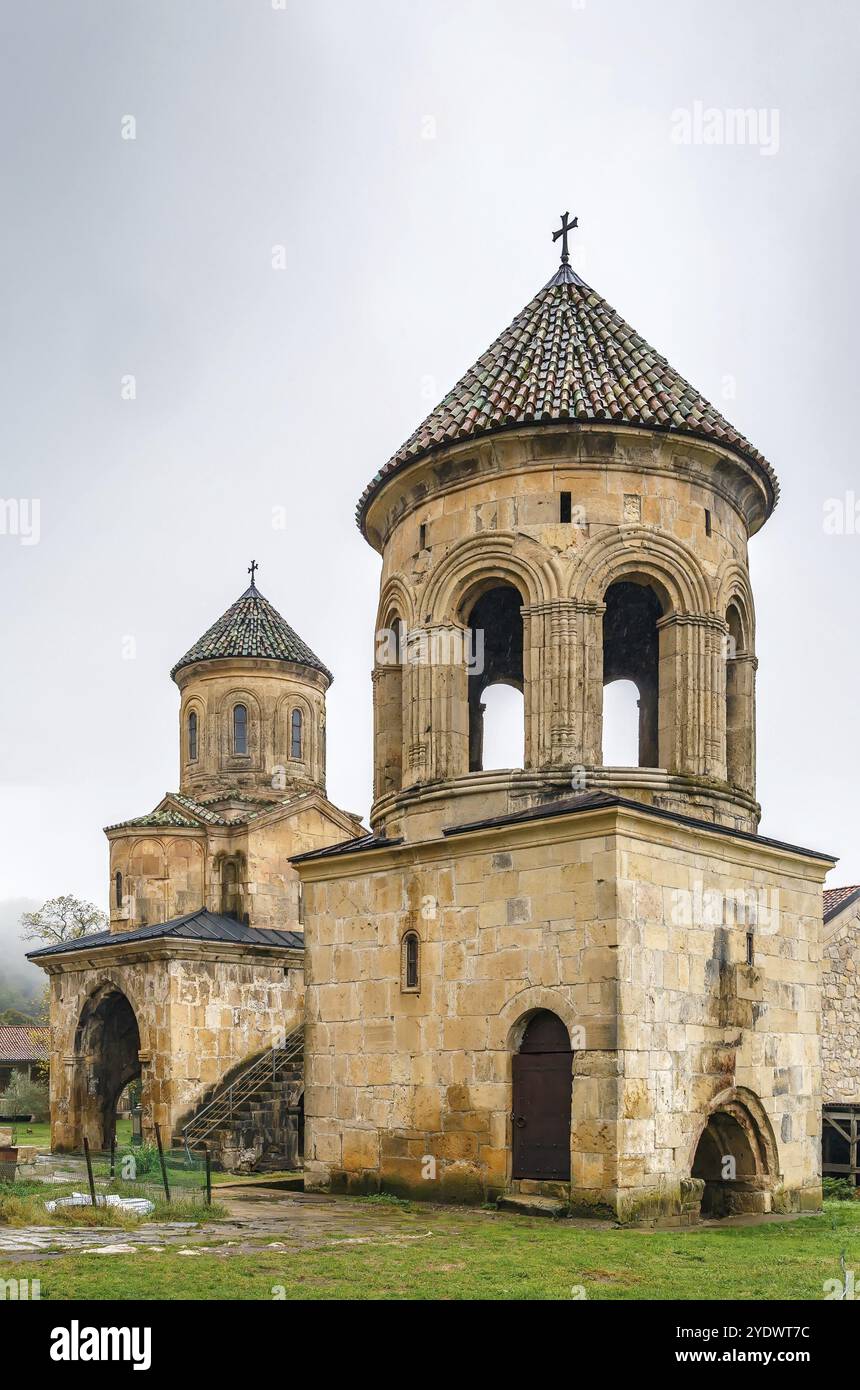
(63, 919)
(25, 1097)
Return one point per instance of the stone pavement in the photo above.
(258, 1218)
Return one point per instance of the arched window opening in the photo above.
(192, 736)
(410, 965)
(621, 724)
(496, 632)
(736, 705)
(240, 730)
(230, 890)
(631, 652)
(388, 706)
(117, 886)
(296, 734)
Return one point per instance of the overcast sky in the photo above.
(327, 212)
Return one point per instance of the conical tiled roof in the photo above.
(253, 628)
(569, 357)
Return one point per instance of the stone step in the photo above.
(528, 1205)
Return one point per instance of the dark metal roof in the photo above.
(194, 926)
(252, 627)
(569, 358)
(346, 847)
(587, 801)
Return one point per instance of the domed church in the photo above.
(566, 982)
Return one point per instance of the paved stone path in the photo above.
(258, 1218)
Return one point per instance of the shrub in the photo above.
(839, 1190)
(25, 1097)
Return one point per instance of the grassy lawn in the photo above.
(40, 1134)
(451, 1255)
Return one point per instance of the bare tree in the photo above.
(63, 919)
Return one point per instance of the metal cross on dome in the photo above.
(566, 226)
(252, 568)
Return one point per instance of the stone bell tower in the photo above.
(576, 510)
(572, 513)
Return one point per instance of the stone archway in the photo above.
(735, 1157)
(107, 1052)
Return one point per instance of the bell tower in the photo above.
(573, 513)
(588, 981)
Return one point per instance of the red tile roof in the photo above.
(569, 357)
(23, 1044)
(837, 898)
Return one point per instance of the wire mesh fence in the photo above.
(127, 1172)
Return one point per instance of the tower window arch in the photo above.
(192, 736)
(296, 729)
(740, 736)
(388, 704)
(410, 963)
(240, 730)
(497, 726)
(631, 653)
(117, 887)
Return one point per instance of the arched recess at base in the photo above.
(736, 1157)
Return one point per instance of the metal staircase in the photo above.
(259, 1079)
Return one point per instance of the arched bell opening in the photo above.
(631, 652)
(496, 633)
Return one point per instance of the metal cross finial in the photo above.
(252, 568)
(566, 226)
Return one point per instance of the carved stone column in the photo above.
(740, 721)
(436, 703)
(691, 707)
(549, 660)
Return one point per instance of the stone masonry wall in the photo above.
(840, 1039)
(575, 915)
(198, 1015)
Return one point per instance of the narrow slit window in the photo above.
(117, 884)
(296, 734)
(422, 536)
(240, 730)
(564, 511)
(707, 522)
(410, 971)
(192, 737)
(750, 948)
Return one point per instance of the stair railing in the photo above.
(222, 1107)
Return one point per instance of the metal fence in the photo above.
(126, 1171)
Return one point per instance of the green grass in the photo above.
(40, 1134)
(482, 1256)
(23, 1204)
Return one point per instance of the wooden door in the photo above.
(542, 1072)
